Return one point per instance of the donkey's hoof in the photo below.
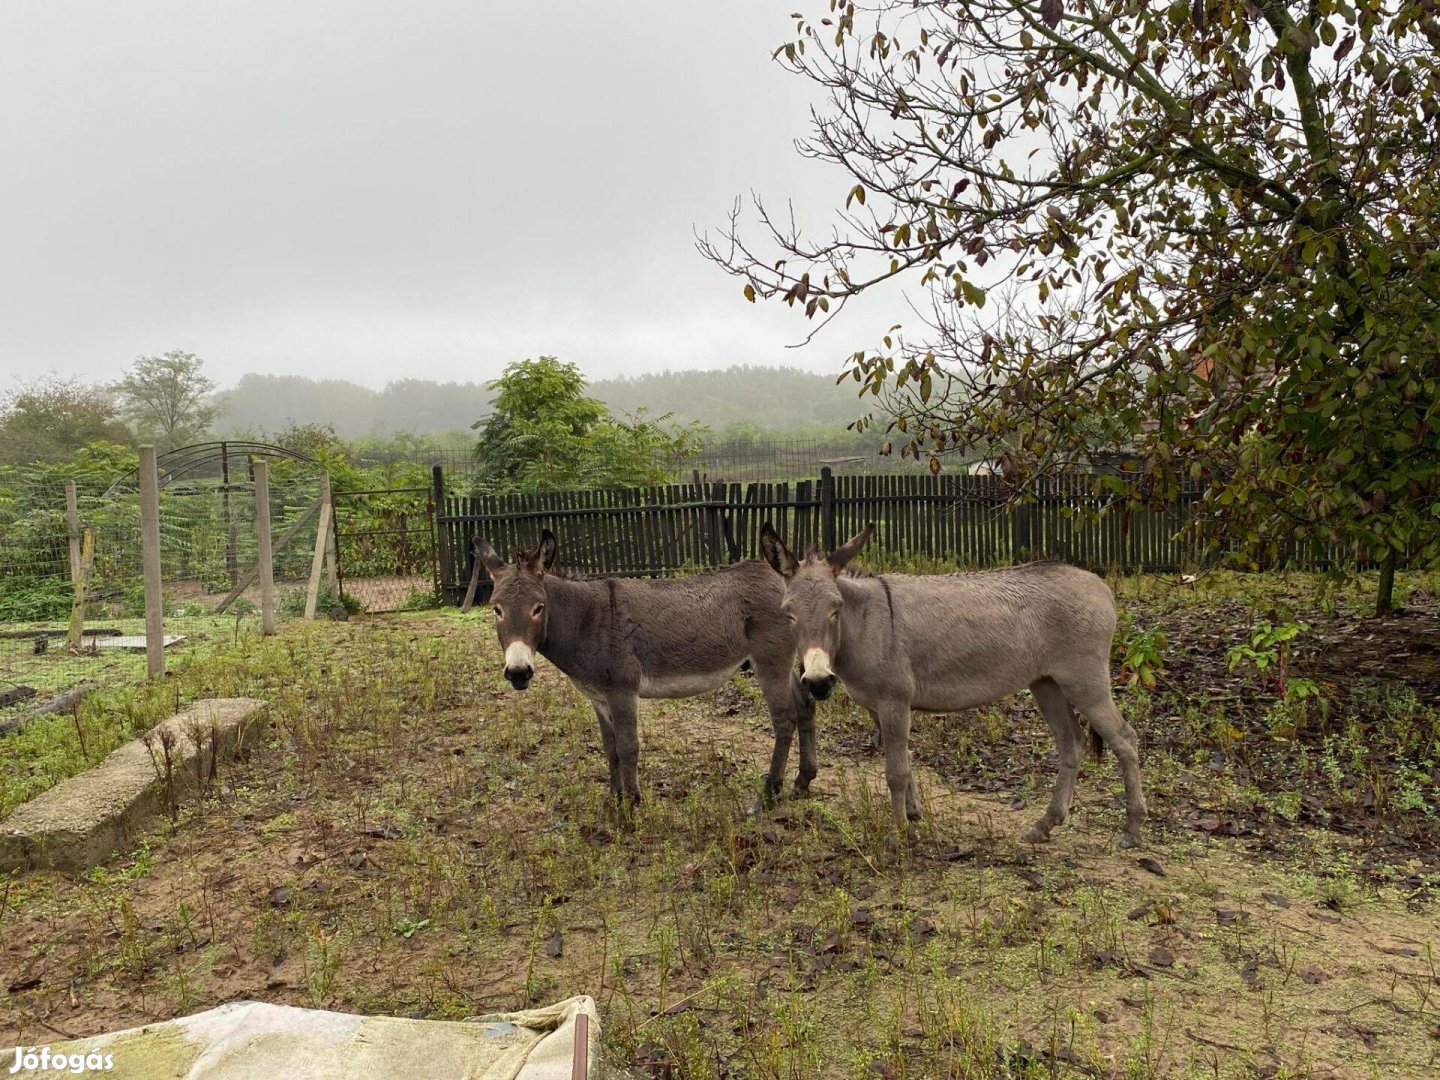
(1036, 835)
(1125, 841)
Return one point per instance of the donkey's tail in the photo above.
(1097, 744)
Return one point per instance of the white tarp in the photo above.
(250, 1040)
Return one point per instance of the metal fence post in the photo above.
(150, 559)
(266, 563)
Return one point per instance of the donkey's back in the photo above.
(688, 635)
(970, 638)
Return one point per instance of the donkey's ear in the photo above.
(848, 550)
(544, 556)
(486, 554)
(776, 553)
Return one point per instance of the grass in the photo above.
(51, 748)
(416, 839)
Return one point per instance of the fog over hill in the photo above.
(773, 399)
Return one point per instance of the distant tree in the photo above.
(773, 401)
(51, 418)
(420, 405)
(1213, 224)
(274, 402)
(545, 434)
(167, 398)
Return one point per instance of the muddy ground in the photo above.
(414, 838)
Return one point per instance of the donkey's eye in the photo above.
(834, 615)
(792, 618)
(538, 609)
(498, 613)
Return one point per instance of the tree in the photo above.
(546, 435)
(1211, 223)
(167, 398)
(51, 418)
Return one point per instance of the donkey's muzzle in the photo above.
(820, 687)
(519, 677)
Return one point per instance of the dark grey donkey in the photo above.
(622, 639)
(939, 643)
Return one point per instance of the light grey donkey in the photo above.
(938, 643)
(622, 639)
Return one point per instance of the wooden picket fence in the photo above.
(967, 521)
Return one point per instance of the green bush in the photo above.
(34, 598)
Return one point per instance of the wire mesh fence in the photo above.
(386, 544)
(719, 459)
(72, 597)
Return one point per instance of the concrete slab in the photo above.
(81, 821)
(134, 641)
(251, 1040)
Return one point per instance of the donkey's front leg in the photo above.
(895, 732)
(607, 739)
(624, 724)
(784, 735)
(805, 725)
(790, 707)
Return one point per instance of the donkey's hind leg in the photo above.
(1094, 700)
(1060, 718)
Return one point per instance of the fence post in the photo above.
(150, 558)
(82, 583)
(827, 509)
(1022, 532)
(442, 537)
(266, 562)
(72, 519)
(322, 546)
(332, 551)
(715, 496)
(77, 606)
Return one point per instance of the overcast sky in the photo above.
(345, 188)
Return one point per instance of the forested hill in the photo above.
(773, 398)
(766, 398)
(419, 406)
